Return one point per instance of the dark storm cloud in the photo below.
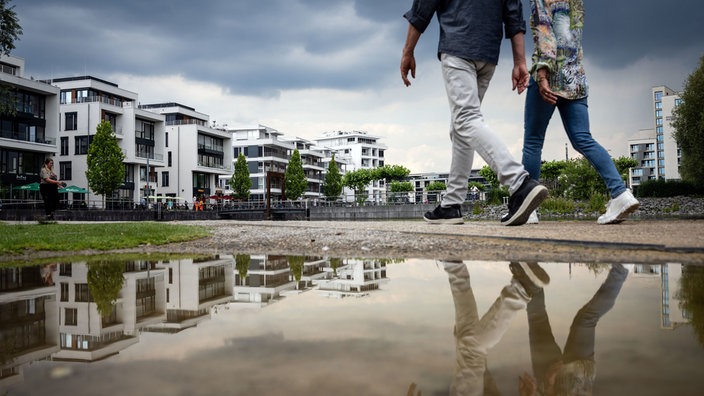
(263, 47)
(247, 47)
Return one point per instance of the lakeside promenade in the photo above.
(633, 241)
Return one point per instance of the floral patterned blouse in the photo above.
(557, 38)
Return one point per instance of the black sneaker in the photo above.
(524, 201)
(445, 215)
(531, 276)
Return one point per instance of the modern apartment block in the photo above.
(364, 150)
(197, 155)
(267, 157)
(85, 102)
(656, 149)
(29, 130)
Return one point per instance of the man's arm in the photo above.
(520, 75)
(408, 60)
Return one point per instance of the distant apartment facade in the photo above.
(655, 149)
(267, 157)
(197, 155)
(86, 101)
(363, 150)
(29, 130)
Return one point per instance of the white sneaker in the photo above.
(619, 208)
(533, 218)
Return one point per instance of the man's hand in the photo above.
(520, 77)
(408, 60)
(408, 64)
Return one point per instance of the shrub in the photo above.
(558, 205)
(666, 188)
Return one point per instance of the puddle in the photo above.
(256, 325)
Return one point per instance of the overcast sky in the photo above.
(305, 67)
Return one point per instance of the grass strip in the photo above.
(16, 238)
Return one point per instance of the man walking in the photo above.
(470, 39)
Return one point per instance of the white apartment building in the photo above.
(85, 102)
(267, 157)
(29, 134)
(364, 150)
(198, 156)
(656, 149)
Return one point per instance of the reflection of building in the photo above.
(671, 313)
(84, 333)
(269, 278)
(28, 319)
(354, 278)
(193, 287)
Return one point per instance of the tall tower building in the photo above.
(655, 149)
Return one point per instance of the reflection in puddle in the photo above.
(263, 324)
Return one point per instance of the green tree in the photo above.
(623, 164)
(10, 31)
(358, 180)
(332, 185)
(105, 173)
(401, 186)
(436, 186)
(335, 263)
(691, 296)
(296, 265)
(479, 186)
(391, 172)
(689, 127)
(581, 180)
(550, 173)
(295, 176)
(242, 265)
(497, 192)
(240, 182)
(105, 280)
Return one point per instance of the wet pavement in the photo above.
(248, 324)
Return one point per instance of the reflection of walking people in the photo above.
(559, 81)
(572, 371)
(49, 188)
(474, 336)
(470, 40)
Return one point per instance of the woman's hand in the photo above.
(544, 88)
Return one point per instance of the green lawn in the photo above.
(100, 236)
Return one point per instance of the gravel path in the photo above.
(640, 241)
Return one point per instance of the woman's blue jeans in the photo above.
(575, 119)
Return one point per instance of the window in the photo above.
(658, 95)
(82, 292)
(65, 170)
(64, 291)
(64, 145)
(70, 121)
(168, 156)
(70, 316)
(81, 146)
(166, 138)
(164, 179)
